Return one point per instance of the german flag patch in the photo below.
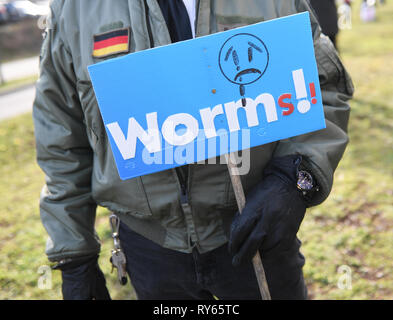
(112, 42)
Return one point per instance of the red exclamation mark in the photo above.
(313, 94)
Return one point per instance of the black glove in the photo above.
(273, 213)
(83, 280)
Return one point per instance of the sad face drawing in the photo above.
(243, 60)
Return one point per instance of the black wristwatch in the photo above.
(306, 184)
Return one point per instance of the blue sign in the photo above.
(199, 99)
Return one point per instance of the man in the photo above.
(176, 225)
(326, 11)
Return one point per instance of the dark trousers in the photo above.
(158, 273)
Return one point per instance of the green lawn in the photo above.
(352, 228)
(16, 84)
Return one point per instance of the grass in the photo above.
(22, 237)
(352, 228)
(15, 84)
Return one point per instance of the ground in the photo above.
(350, 232)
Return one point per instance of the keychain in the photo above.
(118, 259)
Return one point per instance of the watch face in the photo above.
(305, 181)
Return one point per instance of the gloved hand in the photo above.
(83, 280)
(273, 213)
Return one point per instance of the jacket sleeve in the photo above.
(322, 150)
(64, 154)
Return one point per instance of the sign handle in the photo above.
(241, 202)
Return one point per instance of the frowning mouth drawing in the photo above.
(247, 71)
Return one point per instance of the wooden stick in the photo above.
(241, 202)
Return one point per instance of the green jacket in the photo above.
(74, 153)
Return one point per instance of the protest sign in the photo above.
(193, 100)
